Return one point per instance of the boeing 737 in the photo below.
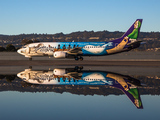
(76, 50)
(77, 76)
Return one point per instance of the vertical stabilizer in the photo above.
(133, 32)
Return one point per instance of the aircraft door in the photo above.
(69, 47)
(28, 50)
(27, 76)
(58, 46)
(116, 46)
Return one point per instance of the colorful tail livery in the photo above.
(76, 50)
(129, 40)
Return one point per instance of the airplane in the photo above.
(76, 50)
(78, 76)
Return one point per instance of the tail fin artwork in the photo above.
(128, 40)
(133, 31)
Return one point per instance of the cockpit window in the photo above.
(25, 46)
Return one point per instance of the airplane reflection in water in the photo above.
(78, 76)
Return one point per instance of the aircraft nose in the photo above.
(19, 75)
(19, 51)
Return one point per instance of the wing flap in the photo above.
(75, 51)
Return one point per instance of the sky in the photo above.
(55, 16)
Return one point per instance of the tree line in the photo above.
(8, 48)
(12, 48)
(151, 38)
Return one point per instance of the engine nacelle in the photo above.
(59, 54)
(59, 71)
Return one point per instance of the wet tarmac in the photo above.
(121, 59)
(130, 70)
(77, 63)
(136, 56)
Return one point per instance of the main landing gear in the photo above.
(78, 58)
(77, 68)
(30, 59)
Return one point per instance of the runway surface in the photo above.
(121, 59)
(77, 63)
(120, 56)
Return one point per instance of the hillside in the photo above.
(152, 39)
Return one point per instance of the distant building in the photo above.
(68, 38)
(149, 38)
(95, 38)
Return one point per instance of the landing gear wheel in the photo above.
(80, 67)
(30, 67)
(81, 58)
(76, 68)
(76, 58)
(30, 59)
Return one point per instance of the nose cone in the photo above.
(20, 75)
(22, 51)
(19, 51)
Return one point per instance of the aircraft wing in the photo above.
(75, 51)
(75, 75)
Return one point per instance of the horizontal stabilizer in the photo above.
(143, 43)
(134, 43)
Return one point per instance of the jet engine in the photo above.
(59, 71)
(59, 54)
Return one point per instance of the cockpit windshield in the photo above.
(25, 46)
